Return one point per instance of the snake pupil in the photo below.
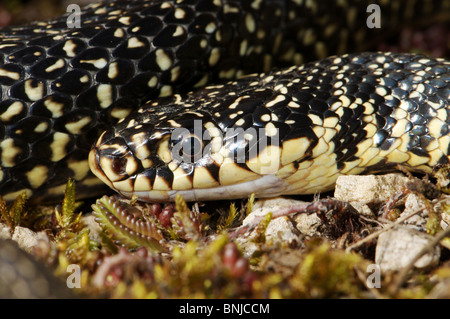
(191, 146)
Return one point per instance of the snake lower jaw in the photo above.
(264, 187)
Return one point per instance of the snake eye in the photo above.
(191, 146)
(186, 147)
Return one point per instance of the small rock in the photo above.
(368, 189)
(5, 232)
(26, 238)
(441, 290)
(412, 204)
(280, 229)
(308, 224)
(363, 209)
(397, 247)
(94, 227)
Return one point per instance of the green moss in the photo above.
(16, 214)
(326, 272)
(231, 217)
(123, 228)
(67, 220)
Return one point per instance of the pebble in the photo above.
(4, 232)
(280, 230)
(396, 248)
(26, 238)
(369, 189)
(412, 204)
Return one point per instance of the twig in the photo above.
(377, 233)
(322, 206)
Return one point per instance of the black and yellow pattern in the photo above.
(347, 114)
(61, 87)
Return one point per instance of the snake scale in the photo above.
(62, 87)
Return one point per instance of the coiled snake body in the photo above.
(348, 114)
(293, 131)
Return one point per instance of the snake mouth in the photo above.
(96, 168)
(112, 171)
(263, 187)
(113, 162)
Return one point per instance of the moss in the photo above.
(16, 214)
(190, 257)
(231, 217)
(326, 272)
(260, 232)
(121, 227)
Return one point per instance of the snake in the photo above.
(293, 131)
(156, 98)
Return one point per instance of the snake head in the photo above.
(158, 152)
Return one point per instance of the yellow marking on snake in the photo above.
(267, 161)
(10, 74)
(80, 169)
(56, 108)
(12, 196)
(57, 65)
(294, 150)
(78, 126)
(161, 184)
(37, 176)
(181, 181)
(58, 146)
(104, 95)
(34, 93)
(203, 179)
(125, 185)
(14, 109)
(9, 152)
(230, 173)
(434, 127)
(164, 151)
(142, 183)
